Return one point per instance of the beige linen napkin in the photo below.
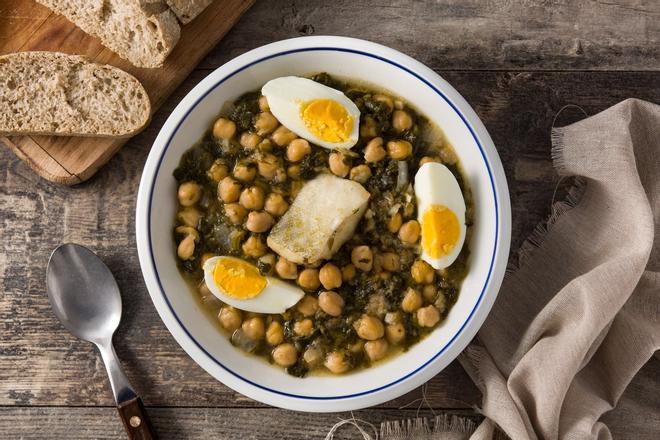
(581, 315)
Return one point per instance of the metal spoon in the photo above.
(85, 297)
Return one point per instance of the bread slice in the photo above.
(187, 10)
(143, 32)
(53, 93)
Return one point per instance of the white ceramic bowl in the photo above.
(360, 60)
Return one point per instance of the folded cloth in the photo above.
(581, 313)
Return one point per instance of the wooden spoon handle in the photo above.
(136, 422)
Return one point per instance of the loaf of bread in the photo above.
(187, 10)
(53, 93)
(143, 32)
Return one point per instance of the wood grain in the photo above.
(50, 382)
(71, 160)
(473, 34)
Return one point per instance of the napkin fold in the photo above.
(581, 314)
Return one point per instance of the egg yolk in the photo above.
(327, 119)
(440, 231)
(238, 279)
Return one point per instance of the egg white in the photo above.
(286, 94)
(436, 185)
(276, 297)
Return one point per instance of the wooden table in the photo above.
(516, 63)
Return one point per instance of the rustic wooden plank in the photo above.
(194, 423)
(458, 34)
(79, 157)
(35, 216)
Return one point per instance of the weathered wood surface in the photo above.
(49, 380)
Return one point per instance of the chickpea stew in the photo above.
(314, 297)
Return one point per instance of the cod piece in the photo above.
(321, 218)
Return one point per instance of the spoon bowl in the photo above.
(83, 293)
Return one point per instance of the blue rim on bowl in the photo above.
(432, 87)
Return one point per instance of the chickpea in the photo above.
(254, 328)
(282, 136)
(390, 261)
(286, 269)
(428, 316)
(398, 104)
(308, 305)
(245, 172)
(384, 99)
(224, 129)
(235, 213)
(295, 188)
(259, 221)
(265, 123)
(411, 301)
(189, 193)
(276, 205)
(230, 318)
(275, 333)
(263, 104)
(369, 127)
(369, 328)
(422, 272)
(362, 258)
(249, 140)
(268, 165)
(303, 328)
(229, 190)
(395, 332)
(376, 350)
(348, 272)
(429, 292)
(428, 159)
(331, 303)
(374, 151)
(285, 355)
(356, 346)
(401, 121)
(330, 276)
(293, 172)
(409, 232)
(394, 223)
(313, 355)
(189, 216)
(297, 150)
(339, 164)
(252, 198)
(360, 173)
(448, 156)
(217, 171)
(308, 279)
(336, 362)
(186, 248)
(399, 150)
(254, 247)
(187, 230)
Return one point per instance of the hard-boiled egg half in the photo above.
(241, 285)
(441, 213)
(322, 115)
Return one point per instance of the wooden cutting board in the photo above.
(27, 25)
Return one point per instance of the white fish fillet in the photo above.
(321, 218)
